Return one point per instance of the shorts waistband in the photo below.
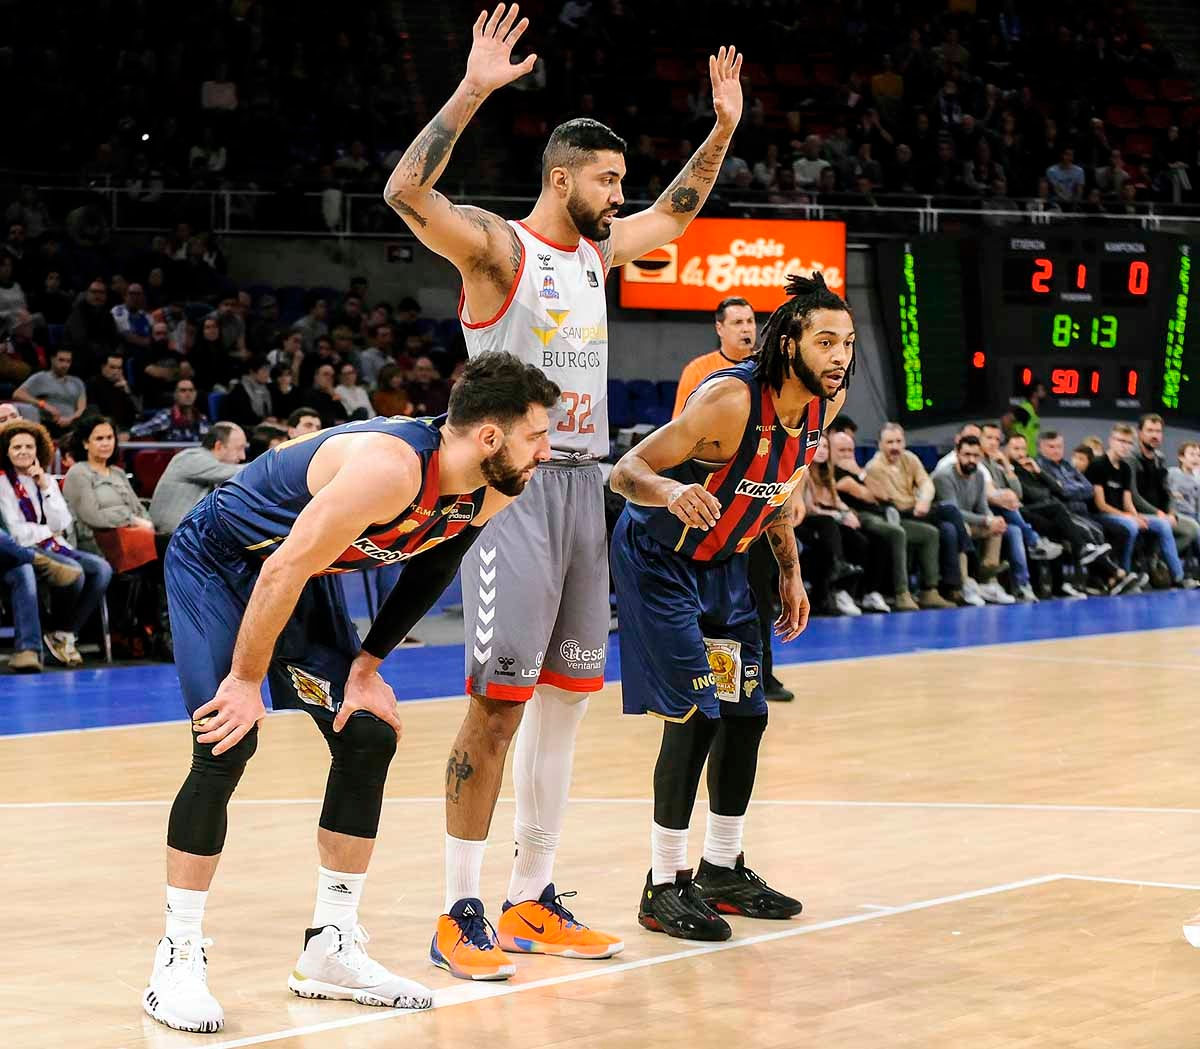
(569, 464)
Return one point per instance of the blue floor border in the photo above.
(115, 696)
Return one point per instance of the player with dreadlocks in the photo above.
(700, 491)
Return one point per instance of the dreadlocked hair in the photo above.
(805, 295)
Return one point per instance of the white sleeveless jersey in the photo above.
(556, 318)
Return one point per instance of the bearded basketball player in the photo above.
(701, 490)
(536, 586)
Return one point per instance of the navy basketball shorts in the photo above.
(209, 582)
(688, 631)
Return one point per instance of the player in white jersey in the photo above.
(536, 588)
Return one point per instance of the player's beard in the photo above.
(500, 473)
(808, 378)
(587, 222)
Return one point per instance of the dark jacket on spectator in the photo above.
(1075, 488)
(1151, 492)
(112, 401)
(330, 411)
(91, 333)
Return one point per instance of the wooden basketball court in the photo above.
(996, 848)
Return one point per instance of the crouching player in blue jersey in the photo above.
(253, 594)
(700, 491)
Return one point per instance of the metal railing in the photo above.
(335, 213)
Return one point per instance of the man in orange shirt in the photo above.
(737, 333)
(736, 330)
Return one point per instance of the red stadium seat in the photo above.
(1123, 117)
(671, 70)
(1138, 144)
(1174, 90)
(149, 465)
(1140, 90)
(757, 73)
(790, 74)
(1157, 117)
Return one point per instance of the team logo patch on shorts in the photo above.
(725, 661)
(315, 691)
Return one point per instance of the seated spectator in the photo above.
(1066, 178)
(313, 323)
(264, 437)
(19, 354)
(897, 478)
(248, 401)
(52, 304)
(428, 391)
(323, 396)
(35, 514)
(1112, 493)
(193, 473)
(260, 336)
(377, 355)
(1184, 482)
(108, 393)
(892, 535)
(91, 331)
(1151, 491)
(302, 421)
(391, 398)
(354, 397)
(182, 422)
(233, 327)
(59, 396)
(285, 396)
(1082, 457)
(325, 353)
(157, 367)
(807, 168)
(961, 484)
(132, 320)
(844, 554)
(212, 366)
(21, 567)
(12, 297)
(98, 493)
(290, 353)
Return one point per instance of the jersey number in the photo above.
(579, 413)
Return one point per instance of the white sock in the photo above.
(545, 751)
(723, 839)
(338, 895)
(185, 913)
(464, 860)
(668, 850)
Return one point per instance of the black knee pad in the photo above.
(360, 755)
(681, 759)
(198, 821)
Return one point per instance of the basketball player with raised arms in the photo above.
(700, 491)
(536, 585)
(252, 589)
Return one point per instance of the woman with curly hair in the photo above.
(35, 514)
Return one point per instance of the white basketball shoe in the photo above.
(1191, 930)
(178, 994)
(334, 965)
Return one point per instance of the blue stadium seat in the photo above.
(215, 401)
(130, 372)
(667, 389)
(449, 331)
(291, 303)
(257, 291)
(426, 326)
(620, 408)
(330, 295)
(928, 454)
(56, 333)
(643, 397)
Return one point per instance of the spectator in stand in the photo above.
(1066, 178)
(350, 315)
(390, 398)
(314, 322)
(289, 352)
(736, 330)
(890, 535)
(59, 396)
(248, 401)
(52, 304)
(847, 542)
(132, 320)
(108, 393)
(183, 422)
(302, 421)
(325, 353)
(1151, 490)
(91, 331)
(322, 396)
(262, 333)
(1184, 482)
(378, 354)
(807, 168)
(355, 398)
(36, 515)
(21, 567)
(193, 473)
(285, 394)
(1112, 492)
(232, 325)
(1111, 179)
(897, 478)
(97, 491)
(158, 367)
(428, 391)
(19, 354)
(12, 297)
(961, 484)
(263, 438)
(1024, 418)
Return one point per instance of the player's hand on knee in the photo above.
(369, 692)
(230, 714)
(695, 506)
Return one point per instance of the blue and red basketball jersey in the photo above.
(259, 505)
(752, 487)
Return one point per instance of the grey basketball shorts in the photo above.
(535, 589)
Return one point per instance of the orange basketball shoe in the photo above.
(545, 926)
(465, 945)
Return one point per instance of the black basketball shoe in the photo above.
(677, 909)
(740, 891)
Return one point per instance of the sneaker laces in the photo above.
(188, 960)
(476, 931)
(556, 908)
(347, 948)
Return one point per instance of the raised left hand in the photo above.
(725, 70)
(793, 599)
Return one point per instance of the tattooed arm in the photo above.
(793, 598)
(709, 429)
(682, 200)
(481, 245)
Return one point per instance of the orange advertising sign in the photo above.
(716, 258)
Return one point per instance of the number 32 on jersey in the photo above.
(578, 409)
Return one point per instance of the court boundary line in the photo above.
(461, 697)
(447, 997)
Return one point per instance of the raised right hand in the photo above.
(489, 65)
(695, 506)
